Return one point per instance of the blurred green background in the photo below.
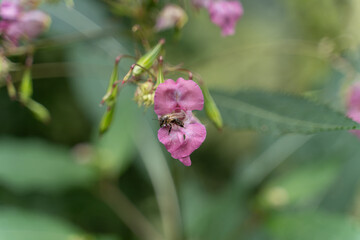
(61, 181)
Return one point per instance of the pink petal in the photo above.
(173, 140)
(14, 32)
(354, 114)
(10, 10)
(164, 100)
(195, 135)
(354, 96)
(33, 23)
(181, 142)
(180, 95)
(186, 161)
(355, 132)
(191, 97)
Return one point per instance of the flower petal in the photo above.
(10, 10)
(172, 96)
(353, 100)
(33, 23)
(193, 136)
(354, 114)
(190, 95)
(164, 100)
(172, 140)
(186, 161)
(225, 14)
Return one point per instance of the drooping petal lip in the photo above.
(181, 142)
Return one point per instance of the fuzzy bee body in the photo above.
(171, 119)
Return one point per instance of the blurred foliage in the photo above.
(242, 185)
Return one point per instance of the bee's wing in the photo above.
(179, 115)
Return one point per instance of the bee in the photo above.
(171, 119)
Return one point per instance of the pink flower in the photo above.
(10, 10)
(353, 105)
(181, 132)
(225, 14)
(16, 23)
(33, 23)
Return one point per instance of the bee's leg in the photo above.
(170, 129)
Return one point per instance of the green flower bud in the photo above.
(11, 89)
(111, 92)
(107, 119)
(211, 109)
(148, 59)
(160, 77)
(38, 110)
(26, 88)
(144, 94)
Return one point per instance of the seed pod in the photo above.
(148, 59)
(26, 88)
(111, 92)
(38, 110)
(107, 119)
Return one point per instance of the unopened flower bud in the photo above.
(211, 109)
(144, 94)
(171, 16)
(33, 23)
(148, 59)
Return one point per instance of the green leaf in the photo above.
(312, 226)
(278, 113)
(30, 165)
(16, 224)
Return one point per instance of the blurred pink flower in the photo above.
(33, 23)
(179, 99)
(353, 105)
(10, 10)
(16, 23)
(225, 14)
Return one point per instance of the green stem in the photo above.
(127, 212)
